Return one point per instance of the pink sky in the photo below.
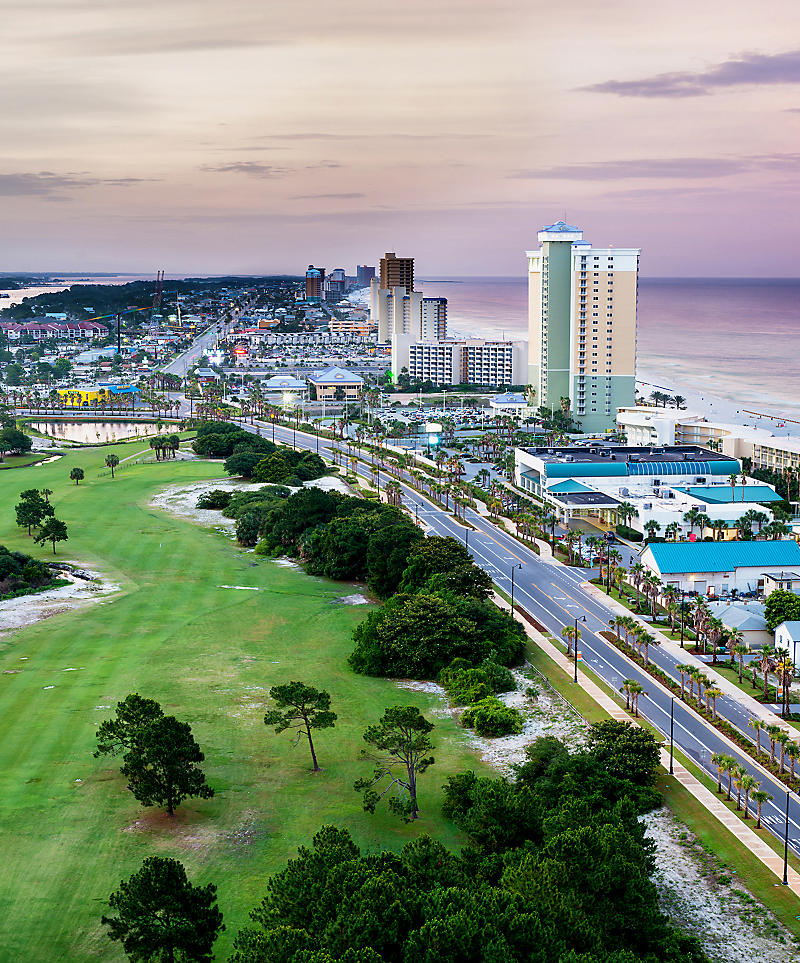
(208, 136)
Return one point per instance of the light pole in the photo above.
(513, 569)
(575, 641)
(786, 843)
(466, 541)
(671, 733)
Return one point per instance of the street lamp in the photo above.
(575, 641)
(671, 733)
(513, 569)
(786, 844)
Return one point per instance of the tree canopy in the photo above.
(302, 708)
(161, 916)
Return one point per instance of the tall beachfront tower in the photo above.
(582, 325)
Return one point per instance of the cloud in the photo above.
(332, 197)
(250, 168)
(51, 185)
(748, 69)
(662, 168)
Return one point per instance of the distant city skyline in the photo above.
(211, 138)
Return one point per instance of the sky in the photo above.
(203, 136)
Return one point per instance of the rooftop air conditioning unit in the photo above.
(647, 506)
(569, 458)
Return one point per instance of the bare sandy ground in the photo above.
(181, 500)
(15, 614)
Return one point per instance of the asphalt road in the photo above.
(554, 596)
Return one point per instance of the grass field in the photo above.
(69, 829)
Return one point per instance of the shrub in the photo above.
(217, 499)
(491, 718)
(242, 463)
(465, 684)
(630, 533)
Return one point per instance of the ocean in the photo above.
(732, 342)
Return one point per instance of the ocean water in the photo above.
(730, 340)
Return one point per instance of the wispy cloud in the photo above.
(662, 168)
(330, 197)
(250, 168)
(52, 185)
(747, 69)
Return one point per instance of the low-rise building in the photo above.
(787, 636)
(745, 617)
(661, 484)
(336, 384)
(511, 404)
(648, 425)
(719, 568)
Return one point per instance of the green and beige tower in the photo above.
(582, 325)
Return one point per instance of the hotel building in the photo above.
(396, 272)
(582, 325)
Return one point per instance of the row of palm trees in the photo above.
(777, 737)
(747, 786)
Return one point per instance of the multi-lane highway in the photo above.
(554, 596)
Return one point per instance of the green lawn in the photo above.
(69, 829)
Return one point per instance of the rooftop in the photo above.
(334, 375)
(677, 557)
(729, 495)
(629, 453)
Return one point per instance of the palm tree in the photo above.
(691, 517)
(759, 797)
(719, 759)
(773, 734)
(570, 635)
(765, 664)
(626, 688)
(757, 725)
(671, 531)
(647, 640)
(684, 671)
(713, 694)
(112, 461)
(636, 691)
(731, 767)
(615, 624)
(652, 528)
(626, 511)
(738, 775)
(732, 480)
(637, 573)
(793, 752)
(748, 784)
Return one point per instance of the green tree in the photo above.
(52, 530)
(401, 739)
(161, 916)
(32, 509)
(626, 751)
(112, 461)
(76, 475)
(274, 468)
(301, 708)
(119, 734)
(781, 606)
(160, 765)
(14, 441)
(432, 556)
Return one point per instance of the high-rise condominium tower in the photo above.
(582, 325)
(397, 272)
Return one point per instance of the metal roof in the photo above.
(727, 495)
(676, 557)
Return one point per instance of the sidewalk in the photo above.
(709, 800)
(755, 708)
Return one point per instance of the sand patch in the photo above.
(356, 599)
(29, 609)
(705, 898)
